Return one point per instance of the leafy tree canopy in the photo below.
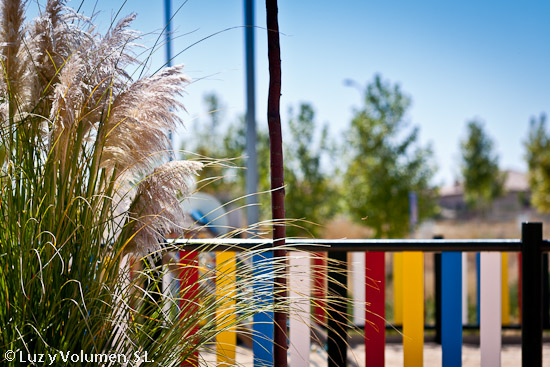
(310, 193)
(386, 163)
(483, 181)
(538, 161)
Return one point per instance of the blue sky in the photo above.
(457, 60)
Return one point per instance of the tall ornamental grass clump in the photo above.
(86, 189)
(86, 183)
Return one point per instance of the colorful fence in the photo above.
(370, 265)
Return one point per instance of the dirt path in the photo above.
(510, 357)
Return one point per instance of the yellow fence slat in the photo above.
(226, 278)
(413, 308)
(398, 288)
(505, 291)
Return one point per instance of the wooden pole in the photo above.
(277, 180)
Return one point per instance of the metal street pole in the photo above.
(168, 31)
(168, 36)
(253, 210)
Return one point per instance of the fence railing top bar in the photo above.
(424, 245)
(351, 245)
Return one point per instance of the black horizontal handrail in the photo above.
(359, 245)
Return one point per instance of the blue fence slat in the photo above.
(478, 288)
(451, 308)
(262, 328)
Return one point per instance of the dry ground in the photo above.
(510, 356)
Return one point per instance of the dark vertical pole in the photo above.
(337, 310)
(531, 333)
(277, 182)
(168, 40)
(252, 209)
(168, 33)
(437, 293)
(545, 293)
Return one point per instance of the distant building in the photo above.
(514, 201)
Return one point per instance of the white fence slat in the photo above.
(490, 309)
(300, 318)
(358, 277)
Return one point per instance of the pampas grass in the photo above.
(155, 208)
(88, 196)
(85, 186)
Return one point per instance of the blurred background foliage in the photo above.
(365, 174)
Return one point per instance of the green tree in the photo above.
(311, 194)
(538, 161)
(386, 163)
(483, 181)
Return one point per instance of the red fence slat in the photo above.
(375, 326)
(189, 286)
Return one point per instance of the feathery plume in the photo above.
(68, 98)
(140, 120)
(47, 42)
(156, 210)
(90, 74)
(11, 23)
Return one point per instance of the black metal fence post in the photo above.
(545, 293)
(531, 312)
(337, 310)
